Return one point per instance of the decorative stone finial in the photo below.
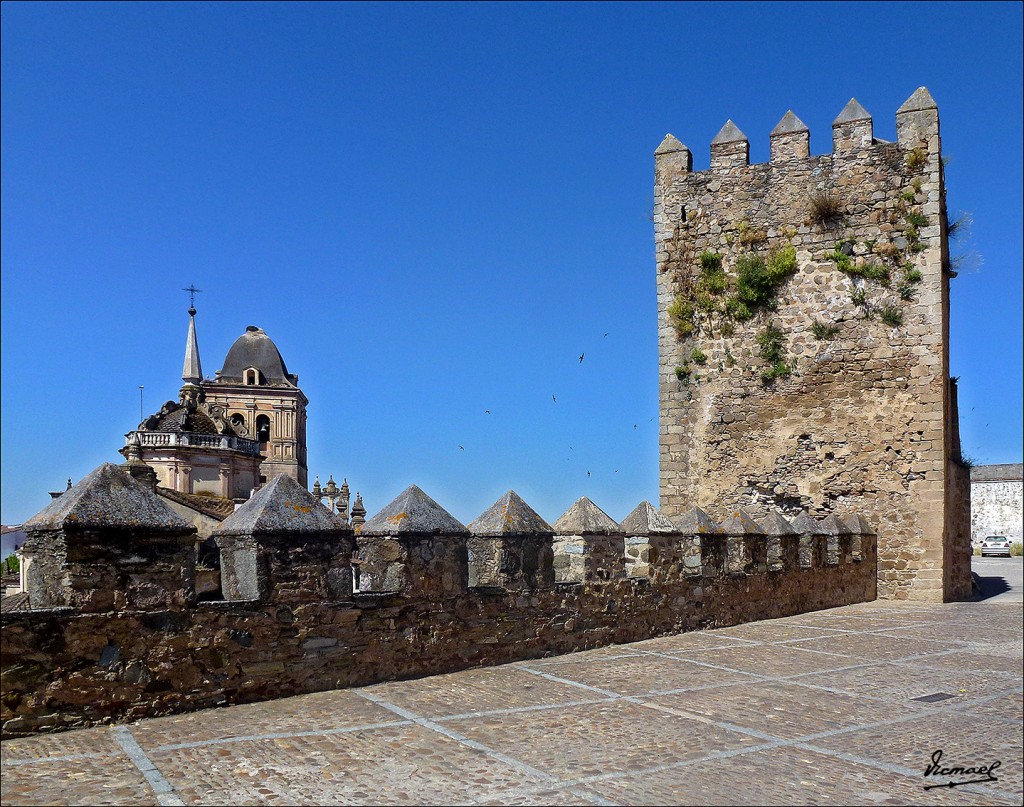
(358, 512)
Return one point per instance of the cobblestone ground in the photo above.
(813, 709)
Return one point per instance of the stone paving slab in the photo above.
(811, 709)
(476, 691)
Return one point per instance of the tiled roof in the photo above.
(213, 506)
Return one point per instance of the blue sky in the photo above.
(433, 210)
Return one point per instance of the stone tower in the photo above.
(258, 393)
(803, 323)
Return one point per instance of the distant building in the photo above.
(997, 501)
(226, 436)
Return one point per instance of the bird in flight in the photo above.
(487, 411)
(634, 426)
(581, 357)
(461, 448)
(606, 334)
(588, 474)
(553, 399)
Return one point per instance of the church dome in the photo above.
(254, 349)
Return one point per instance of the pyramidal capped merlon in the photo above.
(413, 512)
(645, 519)
(281, 506)
(585, 518)
(108, 498)
(510, 515)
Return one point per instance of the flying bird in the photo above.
(553, 399)
(461, 448)
(634, 426)
(581, 357)
(588, 474)
(487, 411)
(606, 334)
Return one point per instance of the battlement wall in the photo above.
(290, 622)
(803, 338)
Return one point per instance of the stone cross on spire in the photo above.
(193, 370)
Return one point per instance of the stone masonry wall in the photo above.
(997, 508)
(63, 668)
(855, 416)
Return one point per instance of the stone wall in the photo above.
(822, 383)
(65, 668)
(997, 501)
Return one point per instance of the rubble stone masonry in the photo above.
(852, 407)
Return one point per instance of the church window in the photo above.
(263, 429)
(252, 377)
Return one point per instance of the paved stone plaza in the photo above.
(812, 709)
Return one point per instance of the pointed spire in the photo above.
(192, 373)
(851, 112)
(918, 102)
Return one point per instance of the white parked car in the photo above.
(995, 545)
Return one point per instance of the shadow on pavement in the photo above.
(987, 587)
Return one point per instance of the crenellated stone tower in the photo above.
(803, 322)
